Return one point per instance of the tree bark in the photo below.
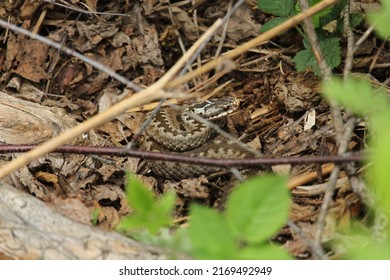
(31, 230)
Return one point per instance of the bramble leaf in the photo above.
(281, 8)
(258, 208)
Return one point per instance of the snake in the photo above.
(178, 132)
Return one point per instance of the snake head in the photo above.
(215, 108)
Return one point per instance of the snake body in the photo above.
(177, 132)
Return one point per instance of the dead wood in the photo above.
(31, 230)
(25, 122)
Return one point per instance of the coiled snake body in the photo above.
(178, 132)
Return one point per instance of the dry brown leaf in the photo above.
(108, 218)
(92, 34)
(110, 195)
(189, 188)
(27, 58)
(298, 92)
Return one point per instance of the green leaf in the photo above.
(272, 23)
(381, 19)
(178, 241)
(379, 178)
(363, 247)
(355, 20)
(95, 216)
(149, 213)
(317, 18)
(332, 13)
(357, 95)
(140, 198)
(209, 235)
(258, 208)
(305, 60)
(331, 50)
(282, 8)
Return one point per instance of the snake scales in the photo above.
(175, 131)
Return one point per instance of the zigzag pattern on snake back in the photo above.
(177, 132)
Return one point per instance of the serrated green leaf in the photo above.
(149, 213)
(381, 19)
(258, 208)
(177, 241)
(138, 196)
(166, 204)
(317, 22)
(305, 60)
(209, 235)
(272, 23)
(131, 223)
(281, 8)
(331, 50)
(320, 18)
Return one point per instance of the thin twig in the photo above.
(363, 37)
(224, 30)
(298, 231)
(197, 53)
(343, 146)
(179, 157)
(85, 12)
(350, 41)
(326, 72)
(356, 184)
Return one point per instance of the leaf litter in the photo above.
(141, 41)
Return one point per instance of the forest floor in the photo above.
(281, 111)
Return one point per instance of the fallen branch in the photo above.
(29, 229)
